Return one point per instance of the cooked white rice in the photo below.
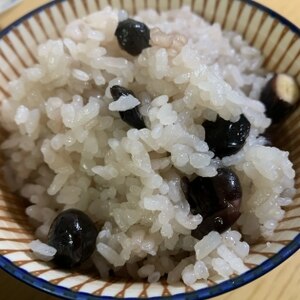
(42, 250)
(68, 147)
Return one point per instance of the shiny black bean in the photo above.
(217, 199)
(208, 194)
(227, 186)
(219, 221)
(226, 138)
(133, 36)
(132, 116)
(202, 197)
(73, 235)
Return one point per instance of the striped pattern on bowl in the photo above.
(280, 44)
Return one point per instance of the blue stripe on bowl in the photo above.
(261, 7)
(275, 15)
(27, 16)
(205, 293)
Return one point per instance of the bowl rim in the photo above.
(205, 293)
(209, 292)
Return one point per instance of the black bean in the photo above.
(227, 186)
(133, 36)
(280, 97)
(217, 199)
(219, 221)
(73, 235)
(132, 116)
(202, 197)
(226, 138)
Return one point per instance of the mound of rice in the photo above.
(68, 147)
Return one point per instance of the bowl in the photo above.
(279, 42)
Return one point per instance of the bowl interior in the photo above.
(275, 37)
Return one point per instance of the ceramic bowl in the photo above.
(279, 42)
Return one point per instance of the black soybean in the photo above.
(226, 138)
(73, 235)
(227, 186)
(280, 96)
(132, 116)
(219, 221)
(133, 36)
(202, 197)
(216, 198)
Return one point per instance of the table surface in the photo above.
(281, 283)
